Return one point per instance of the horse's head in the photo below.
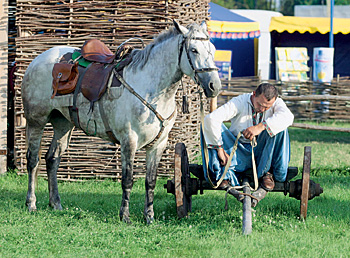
(196, 57)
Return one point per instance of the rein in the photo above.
(196, 70)
(164, 122)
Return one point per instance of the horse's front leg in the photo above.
(153, 156)
(128, 151)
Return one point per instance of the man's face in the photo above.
(261, 104)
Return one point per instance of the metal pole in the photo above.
(331, 24)
(247, 210)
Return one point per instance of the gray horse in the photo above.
(138, 118)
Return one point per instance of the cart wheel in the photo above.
(182, 181)
(305, 182)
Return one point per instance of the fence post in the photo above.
(213, 104)
(3, 84)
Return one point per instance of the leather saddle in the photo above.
(95, 50)
(99, 61)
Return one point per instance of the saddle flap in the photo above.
(95, 50)
(64, 71)
(65, 77)
(95, 81)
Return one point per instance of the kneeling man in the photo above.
(261, 114)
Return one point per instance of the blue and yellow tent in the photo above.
(311, 32)
(238, 34)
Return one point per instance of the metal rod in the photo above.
(331, 24)
(247, 210)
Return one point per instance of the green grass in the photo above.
(89, 224)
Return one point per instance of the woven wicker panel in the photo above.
(306, 109)
(43, 24)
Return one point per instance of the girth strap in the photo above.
(73, 110)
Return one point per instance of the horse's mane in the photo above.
(140, 56)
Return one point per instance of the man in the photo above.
(259, 114)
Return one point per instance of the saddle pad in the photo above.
(94, 82)
(82, 61)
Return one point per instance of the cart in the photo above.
(183, 186)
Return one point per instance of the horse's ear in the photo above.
(181, 29)
(204, 26)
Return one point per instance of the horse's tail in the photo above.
(36, 171)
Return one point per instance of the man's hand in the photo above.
(252, 131)
(223, 156)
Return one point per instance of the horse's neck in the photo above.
(161, 73)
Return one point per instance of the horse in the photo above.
(141, 117)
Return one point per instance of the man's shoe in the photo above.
(224, 184)
(267, 182)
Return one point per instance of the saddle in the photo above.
(95, 50)
(96, 62)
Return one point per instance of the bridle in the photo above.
(196, 70)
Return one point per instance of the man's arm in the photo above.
(281, 119)
(254, 130)
(248, 133)
(223, 156)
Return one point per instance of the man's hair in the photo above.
(268, 90)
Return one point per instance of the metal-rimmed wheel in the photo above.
(305, 182)
(182, 181)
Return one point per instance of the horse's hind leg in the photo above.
(128, 150)
(62, 134)
(153, 158)
(34, 133)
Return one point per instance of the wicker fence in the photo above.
(43, 24)
(307, 100)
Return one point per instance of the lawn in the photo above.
(89, 224)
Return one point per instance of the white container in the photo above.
(323, 64)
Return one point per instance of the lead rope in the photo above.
(206, 158)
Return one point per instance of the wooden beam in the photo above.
(3, 84)
(320, 127)
(296, 98)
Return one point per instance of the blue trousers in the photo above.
(272, 154)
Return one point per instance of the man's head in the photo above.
(264, 96)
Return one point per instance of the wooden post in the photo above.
(213, 104)
(247, 210)
(305, 182)
(3, 84)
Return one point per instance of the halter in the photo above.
(196, 70)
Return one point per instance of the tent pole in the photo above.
(331, 24)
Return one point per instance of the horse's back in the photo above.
(37, 80)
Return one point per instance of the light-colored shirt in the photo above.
(239, 110)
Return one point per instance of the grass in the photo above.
(89, 224)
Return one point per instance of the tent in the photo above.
(311, 32)
(235, 33)
(264, 19)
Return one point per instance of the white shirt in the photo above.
(239, 110)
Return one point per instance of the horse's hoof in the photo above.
(31, 208)
(125, 219)
(56, 206)
(149, 220)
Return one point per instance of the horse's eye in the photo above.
(194, 51)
